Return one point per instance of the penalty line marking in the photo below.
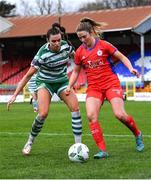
(65, 134)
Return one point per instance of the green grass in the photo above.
(49, 154)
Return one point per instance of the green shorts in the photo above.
(52, 87)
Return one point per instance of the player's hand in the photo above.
(13, 98)
(68, 90)
(135, 72)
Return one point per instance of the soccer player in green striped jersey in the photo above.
(50, 64)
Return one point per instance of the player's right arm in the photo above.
(21, 85)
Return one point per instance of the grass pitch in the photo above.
(49, 160)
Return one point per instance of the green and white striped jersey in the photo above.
(32, 84)
(52, 66)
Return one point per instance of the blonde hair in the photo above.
(91, 26)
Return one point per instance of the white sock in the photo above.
(77, 126)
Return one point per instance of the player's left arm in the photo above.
(126, 62)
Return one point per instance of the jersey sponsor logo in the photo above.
(54, 64)
(94, 64)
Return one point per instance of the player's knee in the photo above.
(43, 115)
(91, 116)
(74, 109)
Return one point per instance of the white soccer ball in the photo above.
(78, 152)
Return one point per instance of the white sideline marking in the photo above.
(66, 134)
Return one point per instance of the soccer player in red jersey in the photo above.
(93, 55)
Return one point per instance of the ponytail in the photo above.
(62, 31)
(89, 25)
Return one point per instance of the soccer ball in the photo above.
(78, 152)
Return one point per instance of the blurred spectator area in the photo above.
(13, 70)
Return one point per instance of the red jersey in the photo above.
(97, 64)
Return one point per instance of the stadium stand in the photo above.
(135, 58)
(14, 80)
(13, 67)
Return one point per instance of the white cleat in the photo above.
(27, 148)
